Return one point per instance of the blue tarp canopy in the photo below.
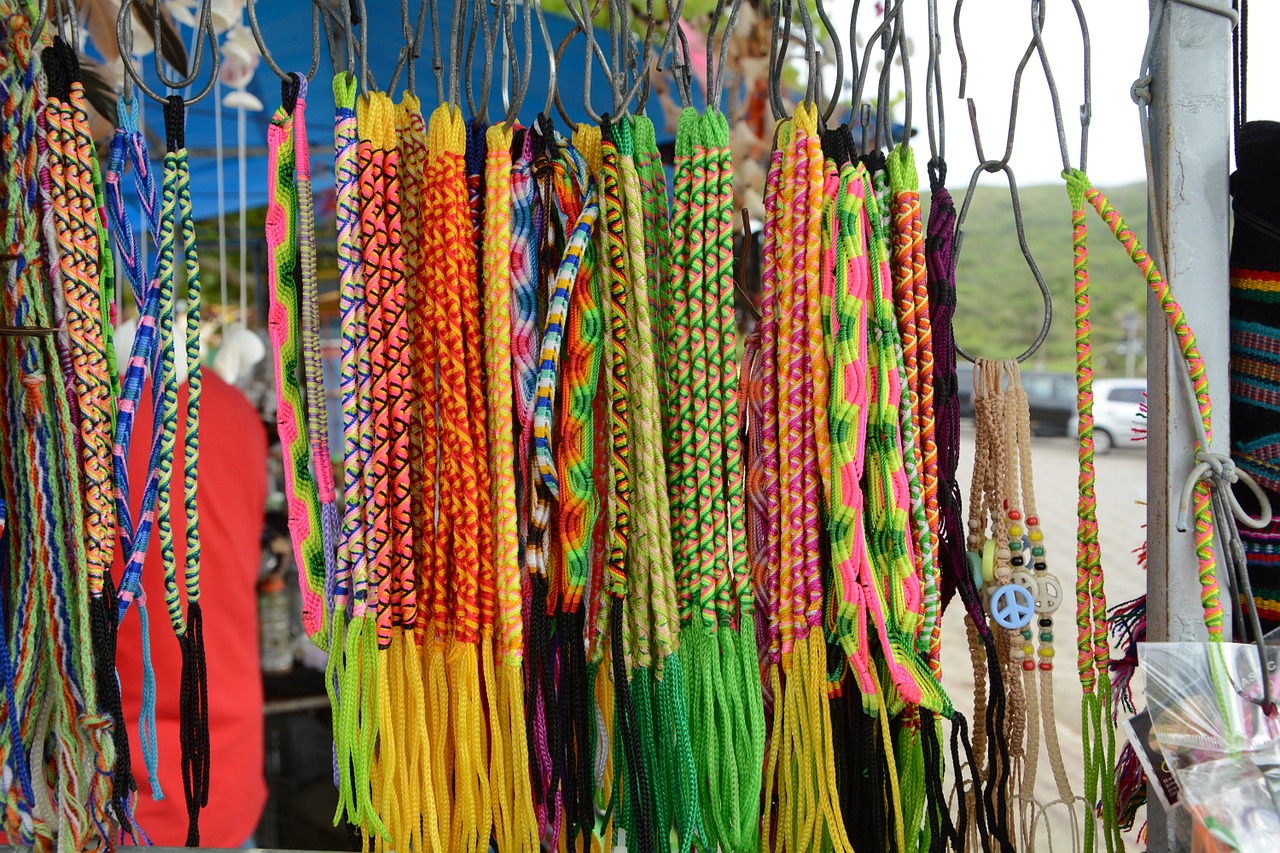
(286, 28)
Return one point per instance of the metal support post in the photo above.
(1191, 140)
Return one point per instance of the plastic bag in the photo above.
(1223, 749)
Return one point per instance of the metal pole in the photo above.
(1191, 140)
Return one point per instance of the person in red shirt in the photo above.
(231, 497)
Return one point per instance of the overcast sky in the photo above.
(996, 32)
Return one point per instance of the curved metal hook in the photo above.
(457, 37)
(583, 24)
(124, 37)
(522, 82)
(883, 34)
(437, 63)
(412, 50)
(935, 114)
(810, 53)
(682, 66)
(779, 40)
(1037, 41)
(668, 40)
(62, 11)
(884, 107)
(339, 34)
(482, 22)
(993, 166)
(553, 59)
(639, 64)
(251, 5)
(839, 52)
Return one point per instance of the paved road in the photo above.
(1121, 489)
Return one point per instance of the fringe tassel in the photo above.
(524, 826)
(627, 733)
(438, 720)
(748, 664)
(1131, 788)
(1128, 622)
(194, 722)
(681, 769)
(472, 819)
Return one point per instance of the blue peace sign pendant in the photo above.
(1012, 606)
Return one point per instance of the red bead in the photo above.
(1046, 666)
(1029, 665)
(1015, 514)
(1033, 521)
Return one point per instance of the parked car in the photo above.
(1117, 412)
(964, 386)
(1051, 397)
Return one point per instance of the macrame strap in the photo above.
(282, 229)
(75, 499)
(129, 143)
(514, 823)
(175, 213)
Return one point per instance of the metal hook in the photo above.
(617, 17)
(839, 52)
(583, 24)
(883, 34)
(437, 64)
(480, 21)
(639, 68)
(1037, 40)
(668, 38)
(682, 66)
(124, 38)
(412, 50)
(457, 31)
(339, 33)
(63, 13)
(266, 52)
(884, 121)
(715, 82)
(935, 114)
(810, 53)
(994, 166)
(553, 60)
(779, 39)
(522, 82)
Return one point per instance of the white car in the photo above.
(1117, 412)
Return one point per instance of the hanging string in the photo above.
(674, 769)
(61, 738)
(515, 827)
(175, 213)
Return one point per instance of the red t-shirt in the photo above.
(232, 494)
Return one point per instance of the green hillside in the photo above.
(999, 306)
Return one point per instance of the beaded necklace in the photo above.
(1048, 596)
